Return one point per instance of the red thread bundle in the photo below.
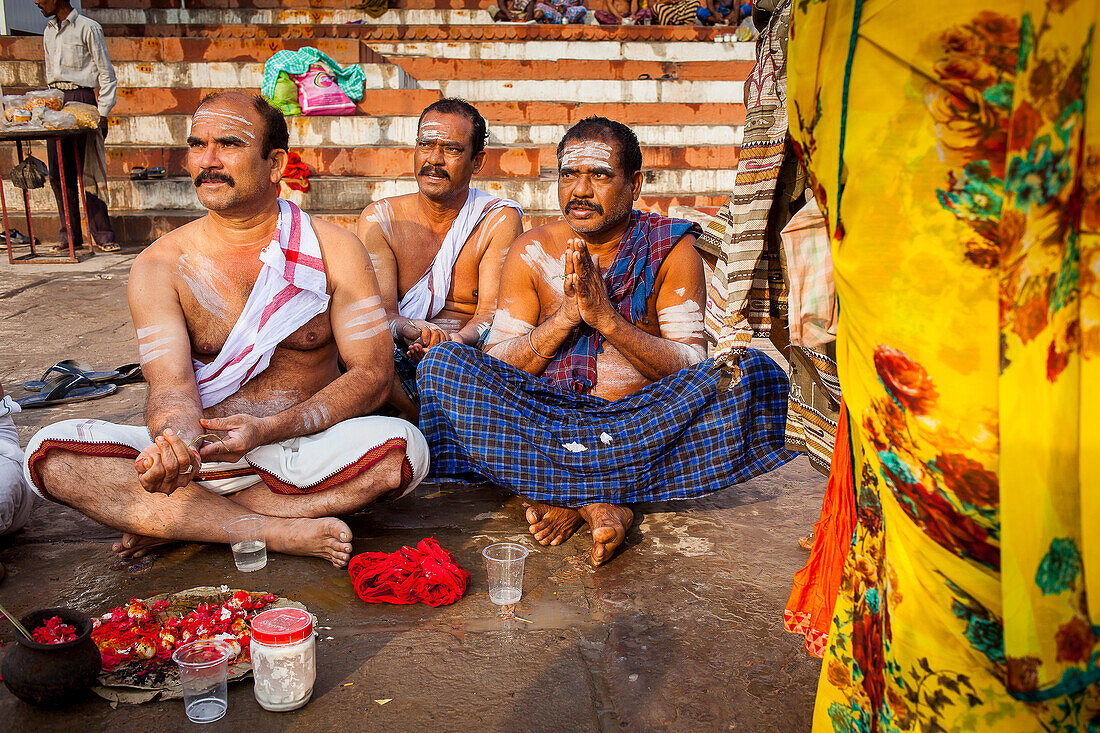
(423, 574)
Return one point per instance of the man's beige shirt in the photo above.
(76, 53)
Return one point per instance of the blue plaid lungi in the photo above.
(405, 368)
(678, 438)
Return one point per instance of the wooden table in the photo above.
(56, 137)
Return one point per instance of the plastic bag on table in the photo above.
(53, 120)
(13, 102)
(30, 174)
(86, 114)
(49, 98)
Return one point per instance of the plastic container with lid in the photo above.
(284, 658)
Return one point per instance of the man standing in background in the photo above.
(77, 63)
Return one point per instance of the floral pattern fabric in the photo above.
(955, 151)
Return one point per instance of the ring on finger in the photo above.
(188, 469)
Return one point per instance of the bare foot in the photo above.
(137, 545)
(327, 538)
(609, 524)
(552, 525)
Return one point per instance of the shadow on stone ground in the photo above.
(681, 632)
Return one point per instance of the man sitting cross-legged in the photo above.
(605, 307)
(241, 319)
(438, 252)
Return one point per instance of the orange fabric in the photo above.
(810, 607)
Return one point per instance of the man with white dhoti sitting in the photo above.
(438, 252)
(241, 319)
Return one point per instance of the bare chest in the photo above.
(416, 250)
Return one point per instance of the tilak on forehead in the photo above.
(586, 153)
(227, 121)
(432, 130)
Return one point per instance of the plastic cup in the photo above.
(504, 565)
(248, 541)
(204, 665)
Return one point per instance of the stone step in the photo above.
(342, 50)
(392, 161)
(457, 34)
(319, 4)
(285, 16)
(424, 69)
(332, 193)
(410, 102)
(588, 90)
(172, 130)
(609, 49)
(223, 74)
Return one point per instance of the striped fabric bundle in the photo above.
(676, 12)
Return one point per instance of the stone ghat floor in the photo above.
(682, 631)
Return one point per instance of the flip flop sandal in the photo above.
(107, 247)
(63, 390)
(128, 374)
(157, 173)
(138, 173)
(70, 368)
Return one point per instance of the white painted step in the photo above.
(201, 74)
(336, 193)
(257, 16)
(172, 131)
(590, 90)
(675, 51)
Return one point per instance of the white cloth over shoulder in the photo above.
(291, 289)
(427, 296)
(16, 498)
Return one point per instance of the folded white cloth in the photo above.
(295, 466)
(16, 498)
(426, 298)
(291, 289)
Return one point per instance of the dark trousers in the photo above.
(98, 221)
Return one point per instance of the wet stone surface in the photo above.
(681, 631)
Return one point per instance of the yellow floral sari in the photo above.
(955, 149)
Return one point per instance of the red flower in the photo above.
(1030, 318)
(969, 480)
(1026, 121)
(1075, 641)
(868, 654)
(53, 631)
(905, 380)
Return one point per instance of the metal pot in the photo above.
(51, 675)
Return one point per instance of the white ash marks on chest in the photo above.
(209, 286)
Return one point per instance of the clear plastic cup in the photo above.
(203, 665)
(504, 565)
(248, 541)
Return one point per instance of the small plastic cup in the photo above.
(504, 565)
(248, 541)
(203, 665)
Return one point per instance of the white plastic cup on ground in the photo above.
(248, 541)
(504, 565)
(203, 665)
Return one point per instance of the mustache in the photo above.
(431, 170)
(578, 204)
(212, 176)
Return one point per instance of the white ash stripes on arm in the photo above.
(684, 322)
(366, 319)
(507, 327)
(151, 346)
(314, 419)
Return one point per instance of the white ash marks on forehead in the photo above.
(506, 326)
(208, 284)
(587, 153)
(549, 269)
(435, 131)
(225, 122)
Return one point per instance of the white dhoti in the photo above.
(15, 496)
(302, 465)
